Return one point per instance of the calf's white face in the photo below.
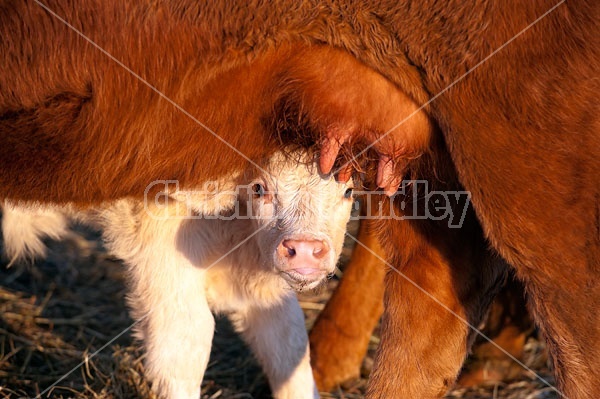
(302, 215)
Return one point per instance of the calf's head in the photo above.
(302, 218)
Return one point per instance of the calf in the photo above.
(236, 251)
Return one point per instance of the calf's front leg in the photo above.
(168, 302)
(277, 336)
(177, 330)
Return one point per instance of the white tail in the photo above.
(25, 226)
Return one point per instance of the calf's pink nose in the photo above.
(305, 257)
(303, 248)
(302, 256)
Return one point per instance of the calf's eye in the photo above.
(258, 189)
(348, 193)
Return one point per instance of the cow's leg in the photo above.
(442, 279)
(568, 319)
(340, 336)
(278, 338)
(167, 300)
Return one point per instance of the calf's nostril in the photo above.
(287, 249)
(320, 250)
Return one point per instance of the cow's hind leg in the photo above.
(567, 315)
(442, 281)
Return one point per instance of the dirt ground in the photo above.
(66, 315)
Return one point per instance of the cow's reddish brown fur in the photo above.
(521, 132)
(77, 126)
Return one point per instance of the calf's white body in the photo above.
(284, 232)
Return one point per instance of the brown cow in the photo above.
(521, 132)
